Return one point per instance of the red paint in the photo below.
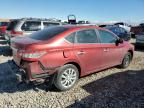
(90, 57)
(3, 29)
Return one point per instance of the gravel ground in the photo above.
(112, 88)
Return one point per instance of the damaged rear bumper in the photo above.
(35, 72)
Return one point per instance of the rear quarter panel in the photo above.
(56, 59)
(127, 47)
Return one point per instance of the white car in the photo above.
(126, 26)
(140, 39)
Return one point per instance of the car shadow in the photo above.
(10, 84)
(139, 48)
(120, 90)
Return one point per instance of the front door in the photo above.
(88, 50)
(112, 53)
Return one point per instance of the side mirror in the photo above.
(118, 41)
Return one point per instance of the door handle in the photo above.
(106, 50)
(80, 53)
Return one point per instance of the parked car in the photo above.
(83, 22)
(27, 26)
(126, 26)
(137, 29)
(3, 27)
(63, 54)
(120, 32)
(140, 39)
(142, 24)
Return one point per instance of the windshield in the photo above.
(48, 33)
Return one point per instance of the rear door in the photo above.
(112, 53)
(88, 50)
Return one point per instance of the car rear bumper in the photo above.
(34, 72)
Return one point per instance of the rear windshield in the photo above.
(12, 25)
(48, 33)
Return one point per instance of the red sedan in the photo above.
(63, 54)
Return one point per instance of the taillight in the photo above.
(16, 33)
(33, 55)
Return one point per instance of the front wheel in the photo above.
(66, 77)
(126, 60)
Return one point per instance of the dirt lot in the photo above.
(112, 88)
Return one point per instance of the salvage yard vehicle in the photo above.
(3, 27)
(137, 29)
(140, 39)
(120, 32)
(27, 26)
(63, 54)
(126, 26)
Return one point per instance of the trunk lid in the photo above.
(23, 42)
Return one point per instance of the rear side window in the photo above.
(71, 38)
(12, 25)
(107, 37)
(86, 36)
(47, 33)
(46, 24)
(31, 26)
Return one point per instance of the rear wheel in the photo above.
(66, 77)
(126, 60)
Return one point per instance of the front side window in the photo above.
(86, 36)
(107, 37)
(31, 26)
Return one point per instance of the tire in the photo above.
(66, 77)
(126, 60)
